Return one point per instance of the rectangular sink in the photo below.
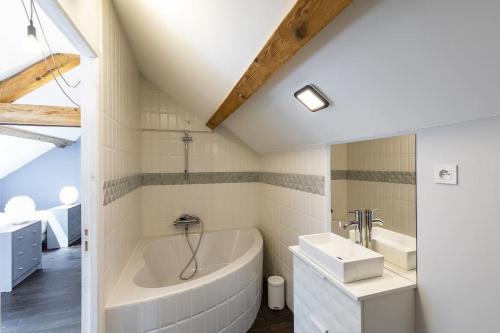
(345, 260)
(397, 248)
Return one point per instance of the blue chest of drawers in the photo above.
(21, 250)
(66, 227)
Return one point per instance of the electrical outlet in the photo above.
(446, 174)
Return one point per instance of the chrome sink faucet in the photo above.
(363, 223)
(357, 223)
(370, 221)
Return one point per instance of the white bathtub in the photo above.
(224, 296)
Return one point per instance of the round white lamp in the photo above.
(68, 195)
(20, 209)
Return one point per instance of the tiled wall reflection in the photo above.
(390, 158)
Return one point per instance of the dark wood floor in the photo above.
(49, 300)
(269, 321)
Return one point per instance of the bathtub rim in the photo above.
(126, 292)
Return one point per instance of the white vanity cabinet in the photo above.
(322, 304)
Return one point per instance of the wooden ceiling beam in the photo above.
(301, 24)
(35, 76)
(41, 115)
(20, 133)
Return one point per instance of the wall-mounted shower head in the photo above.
(186, 139)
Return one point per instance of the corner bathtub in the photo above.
(224, 296)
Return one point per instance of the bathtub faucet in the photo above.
(186, 220)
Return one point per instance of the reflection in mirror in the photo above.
(377, 174)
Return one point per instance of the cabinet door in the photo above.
(325, 307)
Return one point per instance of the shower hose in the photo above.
(193, 252)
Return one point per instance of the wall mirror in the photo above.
(378, 178)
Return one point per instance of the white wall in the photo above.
(285, 213)
(390, 67)
(458, 230)
(86, 16)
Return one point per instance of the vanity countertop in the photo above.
(9, 228)
(388, 283)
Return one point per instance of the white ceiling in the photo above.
(196, 50)
(17, 54)
(389, 66)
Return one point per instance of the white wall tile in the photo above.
(286, 213)
(120, 146)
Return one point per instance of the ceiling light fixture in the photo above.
(32, 40)
(31, 30)
(312, 98)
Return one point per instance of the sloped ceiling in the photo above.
(388, 66)
(22, 151)
(17, 53)
(196, 50)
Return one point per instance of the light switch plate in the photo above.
(446, 174)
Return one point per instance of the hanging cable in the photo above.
(51, 69)
(25, 10)
(50, 50)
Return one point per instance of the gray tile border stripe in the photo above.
(307, 183)
(117, 188)
(395, 177)
(199, 178)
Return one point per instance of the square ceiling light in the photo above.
(312, 98)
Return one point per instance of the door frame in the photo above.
(91, 189)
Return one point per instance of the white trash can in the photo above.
(276, 293)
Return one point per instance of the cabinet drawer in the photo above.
(26, 249)
(328, 305)
(20, 255)
(302, 318)
(30, 232)
(26, 238)
(25, 264)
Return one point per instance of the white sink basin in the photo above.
(345, 260)
(398, 249)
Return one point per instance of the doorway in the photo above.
(53, 174)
